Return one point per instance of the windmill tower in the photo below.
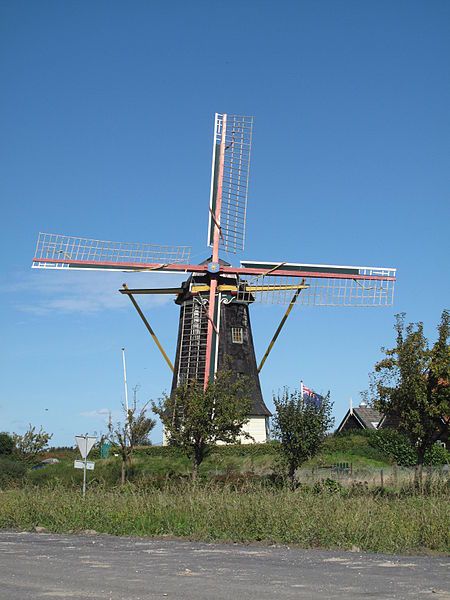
(214, 300)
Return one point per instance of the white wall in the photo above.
(256, 427)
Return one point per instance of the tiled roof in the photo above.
(368, 416)
(361, 416)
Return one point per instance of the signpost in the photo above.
(81, 464)
(85, 444)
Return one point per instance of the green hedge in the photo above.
(353, 443)
(241, 450)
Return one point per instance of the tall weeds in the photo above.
(323, 518)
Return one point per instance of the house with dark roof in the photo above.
(365, 417)
(360, 417)
(442, 427)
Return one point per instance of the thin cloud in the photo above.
(103, 415)
(99, 412)
(47, 292)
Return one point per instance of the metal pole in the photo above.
(125, 380)
(84, 479)
(85, 466)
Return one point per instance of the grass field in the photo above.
(238, 497)
(326, 519)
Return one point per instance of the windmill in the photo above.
(214, 301)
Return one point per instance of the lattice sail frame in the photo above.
(54, 251)
(236, 168)
(361, 287)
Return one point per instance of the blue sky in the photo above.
(106, 131)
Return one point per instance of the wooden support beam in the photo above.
(280, 326)
(147, 324)
(135, 291)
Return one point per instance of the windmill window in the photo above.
(237, 335)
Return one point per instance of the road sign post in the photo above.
(85, 444)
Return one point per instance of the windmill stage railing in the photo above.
(54, 251)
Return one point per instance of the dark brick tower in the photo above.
(234, 341)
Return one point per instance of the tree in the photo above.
(31, 443)
(6, 443)
(194, 419)
(300, 425)
(127, 435)
(411, 385)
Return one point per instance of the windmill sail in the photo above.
(230, 187)
(54, 251)
(321, 285)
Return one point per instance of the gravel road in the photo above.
(42, 565)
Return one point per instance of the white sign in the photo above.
(79, 464)
(85, 443)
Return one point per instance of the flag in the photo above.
(310, 396)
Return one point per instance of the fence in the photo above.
(392, 476)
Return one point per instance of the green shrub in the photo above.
(359, 488)
(11, 472)
(6, 443)
(330, 486)
(437, 455)
(394, 445)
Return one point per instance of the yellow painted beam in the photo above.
(198, 289)
(270, 288)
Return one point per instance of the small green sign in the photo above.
(105, 449)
